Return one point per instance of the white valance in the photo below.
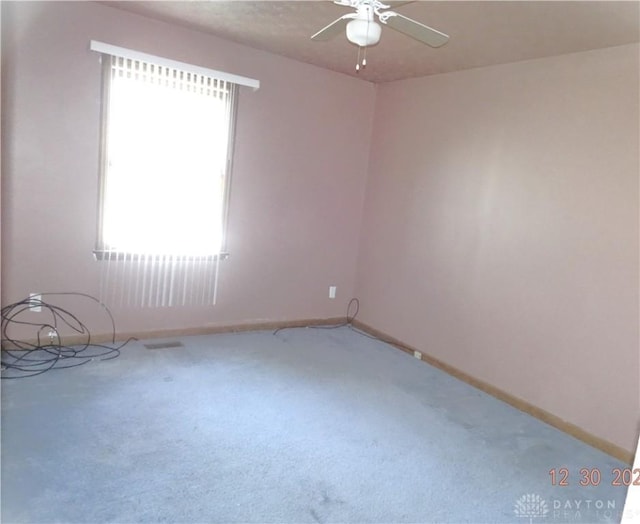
(113, 50)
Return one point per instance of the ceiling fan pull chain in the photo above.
(358, 61)
(364, 59)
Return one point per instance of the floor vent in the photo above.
(164, 345)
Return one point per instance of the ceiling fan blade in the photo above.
(409, 27)
(333, 29)
(395, 5)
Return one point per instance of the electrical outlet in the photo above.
(418, 355)
(35, 300)
(332, 291)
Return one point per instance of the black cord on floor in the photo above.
(347, 322)
(29, 359)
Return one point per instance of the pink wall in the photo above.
(500, 232)
(298, 184)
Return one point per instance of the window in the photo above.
(167, 137)
(167, 141)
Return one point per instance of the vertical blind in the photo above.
(164, 186)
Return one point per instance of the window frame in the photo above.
(103, 252)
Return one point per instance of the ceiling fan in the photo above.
(363, 30)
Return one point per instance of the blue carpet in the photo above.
(309, 425)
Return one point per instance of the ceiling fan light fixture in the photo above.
(363, 33)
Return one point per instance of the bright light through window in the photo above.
(166, 151)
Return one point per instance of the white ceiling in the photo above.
(482, 32)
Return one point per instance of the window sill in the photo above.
(101, 254)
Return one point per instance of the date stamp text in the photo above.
(593, 477)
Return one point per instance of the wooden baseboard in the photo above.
(539, 413)
(72, 340)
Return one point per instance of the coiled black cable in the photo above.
(22, 359)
